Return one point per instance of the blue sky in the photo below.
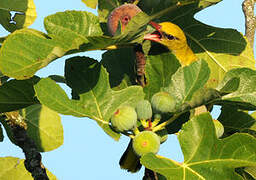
(87, 152)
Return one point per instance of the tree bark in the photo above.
(32, 157)
(250, 20)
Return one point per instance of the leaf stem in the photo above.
(162, 125)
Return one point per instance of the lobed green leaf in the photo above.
(205, 156)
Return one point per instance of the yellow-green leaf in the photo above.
(13, 168)
(44, 127)
(91, 3)
(27, 50)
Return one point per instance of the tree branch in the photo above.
(250, 20)
(32, 157)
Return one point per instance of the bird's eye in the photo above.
(170, 37)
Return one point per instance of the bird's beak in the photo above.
(155, 25)
(156, 35)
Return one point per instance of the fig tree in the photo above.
(163, 102)
(145, 142)
(124, 119)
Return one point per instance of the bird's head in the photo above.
(168, 34)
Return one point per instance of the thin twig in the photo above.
(250, 20)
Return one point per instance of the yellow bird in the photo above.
(171, 36)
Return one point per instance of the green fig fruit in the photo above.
(124, 119)
(143, 109)
(218, 128)
(146, 142)
(163, 102)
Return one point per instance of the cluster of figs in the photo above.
(141, 122)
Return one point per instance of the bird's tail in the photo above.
(129, 160)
